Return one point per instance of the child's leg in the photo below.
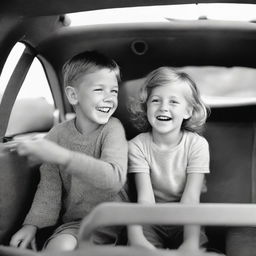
(62, 242)
(175, 236)
(155, 235)
(106, 236)
(64, 237)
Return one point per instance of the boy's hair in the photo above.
(85, 63)
(167, 76)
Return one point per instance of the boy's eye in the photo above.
(115, 91)
(98, 89)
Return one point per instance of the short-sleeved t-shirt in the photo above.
(168, 169)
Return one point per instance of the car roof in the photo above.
(49, 7)
(41, 25)
(137, 47)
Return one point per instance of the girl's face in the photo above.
(167, 107)
(97, 97)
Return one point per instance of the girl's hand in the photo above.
(25, 237)
(40, 150)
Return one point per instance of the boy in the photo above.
(85, 159)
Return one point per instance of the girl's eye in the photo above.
(98, 89)
(154, 100)
(174, 102)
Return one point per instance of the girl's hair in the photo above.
(167, 76)
(86, 63)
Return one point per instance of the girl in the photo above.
(170, 159)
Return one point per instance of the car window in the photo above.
(9, 66)
(166, 13)
(34, 106)
(220, 86)
(35, 84)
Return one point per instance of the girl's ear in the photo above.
(188, 112)
(71, 95)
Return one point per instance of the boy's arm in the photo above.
(110, 171)
(107, 173)
(145, 195)
(191, 195)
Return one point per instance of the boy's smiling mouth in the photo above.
(163, 118)
(104, 109)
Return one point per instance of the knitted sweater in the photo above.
(70, 193)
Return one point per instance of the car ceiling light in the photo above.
(139, 47)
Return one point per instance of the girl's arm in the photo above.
(191, 195)
(145, 195)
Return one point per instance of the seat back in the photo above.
(17, 186)
(18, 181)
(231, 153)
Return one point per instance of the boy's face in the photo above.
(97, 96)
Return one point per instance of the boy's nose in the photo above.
(108, 97)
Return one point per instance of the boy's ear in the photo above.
(71, 95)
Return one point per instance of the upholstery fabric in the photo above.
(17, 188)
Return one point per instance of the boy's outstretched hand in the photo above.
(40, 151)
(25, 237)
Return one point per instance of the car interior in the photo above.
(223, 48)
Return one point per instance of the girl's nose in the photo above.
(164, 107)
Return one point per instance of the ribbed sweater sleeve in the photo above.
(46, 205)
(109, 171)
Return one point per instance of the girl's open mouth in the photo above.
(163, 118)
